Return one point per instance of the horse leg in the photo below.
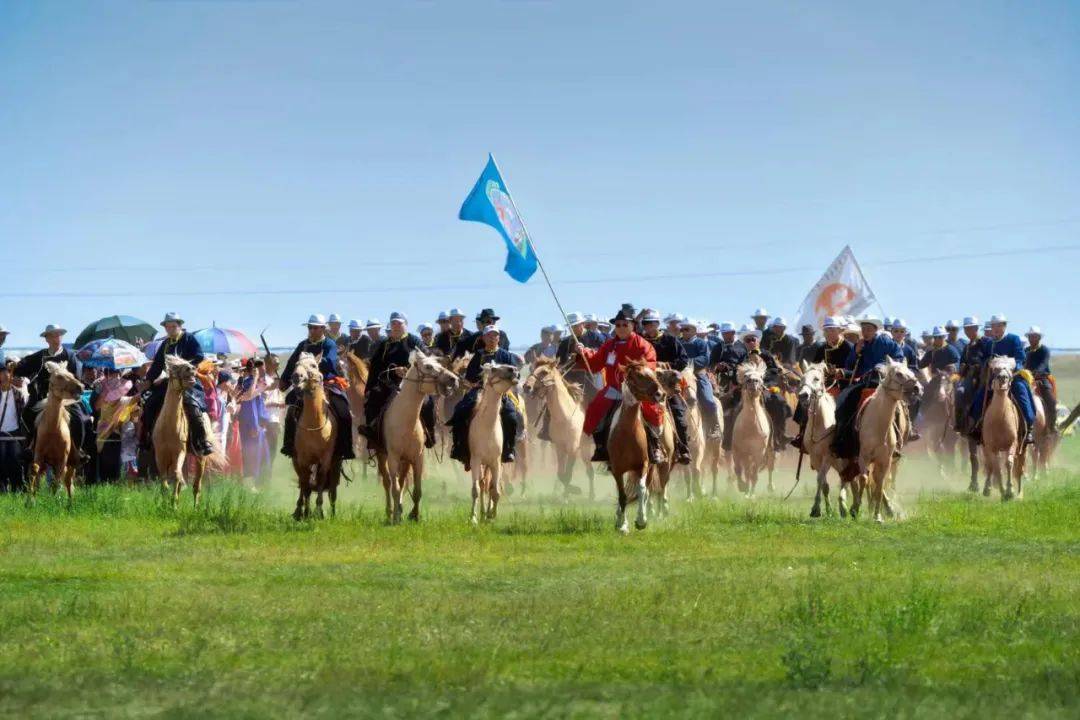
(320, 483)
(642, 520)
(822, 491)
(591, 473)
(1007, 476)
(858, 484)
(493, 490)
(68, 476)
(1021, 466)
(196, 481)
(770, 464)
(417, 489)
(404, 468)
(620, 506)
(178, 474)
(298, 513)
(477, 472)
(36, 471)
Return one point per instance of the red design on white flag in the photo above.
(842, 290)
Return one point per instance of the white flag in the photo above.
(842, 290)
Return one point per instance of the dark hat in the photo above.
(629, 309)
(623, 314)
(487, 314)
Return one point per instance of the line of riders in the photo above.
(851, 350)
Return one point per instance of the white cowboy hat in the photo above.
(888, 322)
(852, 328)
(491, 329)
(398, 317)
(760, 312)
(951, 325)
(971, 321)
(442, 316)
(172, 317)
(574, 318)
(999, 318)
(871, 320)
(334, 317)
(650, 316)
(1034, 330)
(899, 324)
(746, 331)
(423, 326)
(455, 312)
(355, 325)
(832, 322)
(938, 331)
(315, 320)
(726, 327)
(373, 324)
(50, 328)
(689, 323)
(3, 330)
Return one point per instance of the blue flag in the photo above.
(490, 203)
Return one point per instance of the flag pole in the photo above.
(536, 254)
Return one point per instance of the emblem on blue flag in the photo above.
(490, 203)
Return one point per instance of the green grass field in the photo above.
(122, 606)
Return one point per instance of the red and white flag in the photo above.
(842, 290)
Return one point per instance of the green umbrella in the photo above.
(122, 327)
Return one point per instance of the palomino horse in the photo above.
(938, 414)
(486, 438)
(403, 435)
(317, 469)
(818, 435)
(1002, 432)
(683, 383)
(751, 442)
(53, 447)
(549, 388)
(628, 449)
(170, 436)
(882, 426)
(356, 370)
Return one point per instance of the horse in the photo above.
(938, 413)
(486, 438)
(684, 383)
(317, 469)
(53, 446)
(403, 436)
(751, 444)
(882, 426)
(1002, 432)
(547, 385)
(628, 449)
(356, 371)
(170, 434)
(818, 435)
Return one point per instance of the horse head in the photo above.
(431, 375)
(540, 378)
(897, 379)
(63, 384)
(180, 371)
(1001, 373)
(499, 377)
(306, 374)
(813, 381)
(751, 377)
(642, 382)
(670, 380)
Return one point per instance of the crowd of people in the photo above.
(251, 407)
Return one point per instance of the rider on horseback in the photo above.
(490, 352)
(747, 348)
(325, 350)
(669, 350)
(997, 344)
(835, 352)
(610, 358)
(861, 370)
(183, 345)
(697, 353)
(1037, 362)
(32, 367)
(389, 363)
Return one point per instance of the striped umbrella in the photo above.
(111, 354)
(215, 340)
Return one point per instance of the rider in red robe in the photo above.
(610, 359)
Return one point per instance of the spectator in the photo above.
(12, 432)
(251, 419)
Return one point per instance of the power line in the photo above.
(352, 290)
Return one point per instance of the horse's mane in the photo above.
(175, 361)
(357, 365)
(750, 369)
(577, 392)
(1002, 362)
(59, 371)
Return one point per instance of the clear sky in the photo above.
(251, 162)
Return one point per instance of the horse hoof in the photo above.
(297, 516)
(815, 512)
(414, 516)
(1006, 496)
(986, 491)
(641, 524)
(624, 530)
(973, 487)
(878, 519)
(473, 521)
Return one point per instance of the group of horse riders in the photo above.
(593, 354)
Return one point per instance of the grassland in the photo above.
(121, 606)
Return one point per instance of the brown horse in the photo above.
(403, 436)
(356, 370)
(170, 436)
(53, 447)
(628, 449)
(317, 469)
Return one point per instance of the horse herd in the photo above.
(882, 426)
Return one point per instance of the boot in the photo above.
(797, 441)
(197, 436)
(682, 454)
(288, 433)
(600, 441)
(508, 450)
(654, 438)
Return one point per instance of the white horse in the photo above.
(818, 436)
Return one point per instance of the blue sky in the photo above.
(251, 162)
